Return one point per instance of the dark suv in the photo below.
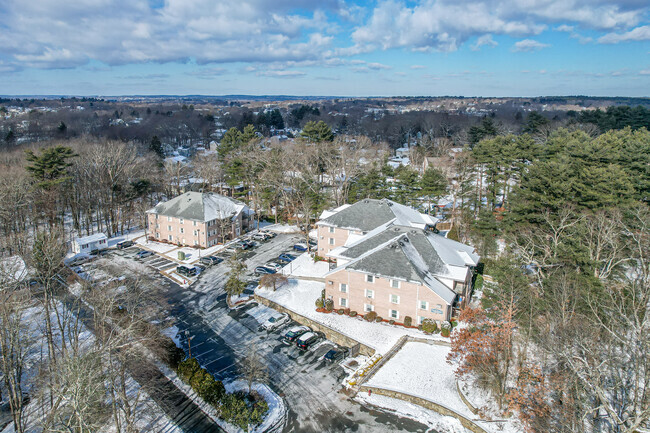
(184, 270)
(336, 355)
(124, 244)
(306, 340)
(210, 260)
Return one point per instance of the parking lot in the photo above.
(220, 338)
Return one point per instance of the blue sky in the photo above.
(325, 47)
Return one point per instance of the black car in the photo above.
(124, 244)
(306, 340)
(188, 272)
(336, 355)
(294, 333)
(210, 260)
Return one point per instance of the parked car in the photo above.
(262, 237)
(269, 234)
(301, 246)
(200, 268)
(275, 322)
(186, 271)
(142, 254)
(243, 245)
(286, 257)
(261, 270)
(124, 244)
(210, 260)
(274, 265)
(78, 260)
(306, 340)
(294, 333)
(336, 355)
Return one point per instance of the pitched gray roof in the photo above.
(368, 214)
(200, 207)
(410, 254)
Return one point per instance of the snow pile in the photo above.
(276, 417)
(282, 228)
(299, 296)
(304, 266)
(421, 369)
(261, 313)
(172, 332)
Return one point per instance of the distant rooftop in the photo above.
(197, 206)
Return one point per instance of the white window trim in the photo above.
(370, 278)
(343, 288)
(371, 295)
(390, 315)
(331, 241)
(365, 308)
(343, 302)
(331, 230)
(426, 305)
(395, 281)
(390, 298)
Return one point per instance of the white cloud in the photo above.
(641, 33)
(485, 40)
(418, 66)
(528, 45)
(444, 25)
(55, 34)
(378, 66)
(282, 74)
(644, 72)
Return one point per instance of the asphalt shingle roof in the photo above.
(200, 207)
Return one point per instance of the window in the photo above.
(169, 238)
(424, 305)
(194, 223)
(157, 235)
(370, 278)
(182, 220)
(370, 293)
(394, 284)
(368, 308)
(394, 299)
(331, 229)
(439, 306)
(420, 318)
(196, 232)
(343, 302)
(156, 216)
(169, 219)
(331, 241)
(169, 228)
(182, 230)
(394, 314)
(157, 226)
(343, 287)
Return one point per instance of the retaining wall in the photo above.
(330, 334)
(466, 422)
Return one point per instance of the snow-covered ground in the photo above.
(434, 420)
(304, 266)
(276, 417)
(157, 247)
(299, 296)
(421, 369)
(282, 228)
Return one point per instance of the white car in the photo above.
(274, 265)
(275, 322)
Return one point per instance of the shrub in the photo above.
(379, 319)
(340, 311)
(187, 368)
(353, 314)
(318, 258)
(429, 326)
(346, 311)
(239, 409)
(370, 316)
(408, 321)
(319, 303)
(445, 325)
(328, 304)
(391, 322)
(445, 332)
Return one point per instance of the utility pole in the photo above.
(189, 342)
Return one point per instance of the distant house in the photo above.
(87, 244)
(388, 259)
(198, 219)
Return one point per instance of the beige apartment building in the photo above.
(198, 219)
(390, 260)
